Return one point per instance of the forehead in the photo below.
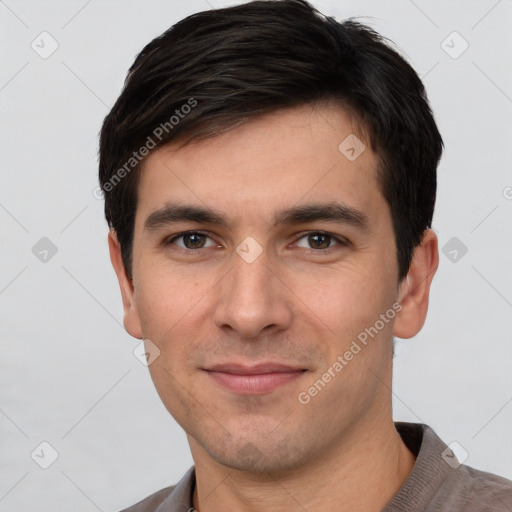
(293, 156)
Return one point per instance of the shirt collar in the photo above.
(180, 499)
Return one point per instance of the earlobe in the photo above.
(414, 289)
(131, 314)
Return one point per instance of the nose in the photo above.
(253, 299)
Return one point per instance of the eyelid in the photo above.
(177, 236)
(342, 241)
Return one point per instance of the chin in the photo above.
(259, 455)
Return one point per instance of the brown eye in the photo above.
(191, 240)
(320, 241)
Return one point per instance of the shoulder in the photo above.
(438, 482)
(171, 499)
(470, 489)
(153, 501)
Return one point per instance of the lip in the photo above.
(255, 379)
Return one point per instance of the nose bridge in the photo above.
(251, 298)
(249, 277)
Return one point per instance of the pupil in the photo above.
(316, 240)
(194, 240)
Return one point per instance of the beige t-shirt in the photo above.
(437, 483)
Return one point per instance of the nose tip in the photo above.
(251, 300)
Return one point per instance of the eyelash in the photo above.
(341, 241)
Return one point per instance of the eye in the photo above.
(319, 241)
(191, 240)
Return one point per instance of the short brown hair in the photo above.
(217, 69)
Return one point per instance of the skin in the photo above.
(295, 304)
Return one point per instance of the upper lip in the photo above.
(256, 369)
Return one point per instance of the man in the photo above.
(270, 179)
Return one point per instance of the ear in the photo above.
(414, 289)
(131, 314)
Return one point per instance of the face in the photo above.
(261, 258)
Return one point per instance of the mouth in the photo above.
(256, 379)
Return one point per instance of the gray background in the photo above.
(68, 373)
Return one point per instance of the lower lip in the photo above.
(253, 384)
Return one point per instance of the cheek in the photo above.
(345, 300)
(358, 343)
(166, 295)
(175, 313)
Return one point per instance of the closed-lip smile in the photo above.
(253, 379)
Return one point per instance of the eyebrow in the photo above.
(301, 214)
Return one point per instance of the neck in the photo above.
(362, 473)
